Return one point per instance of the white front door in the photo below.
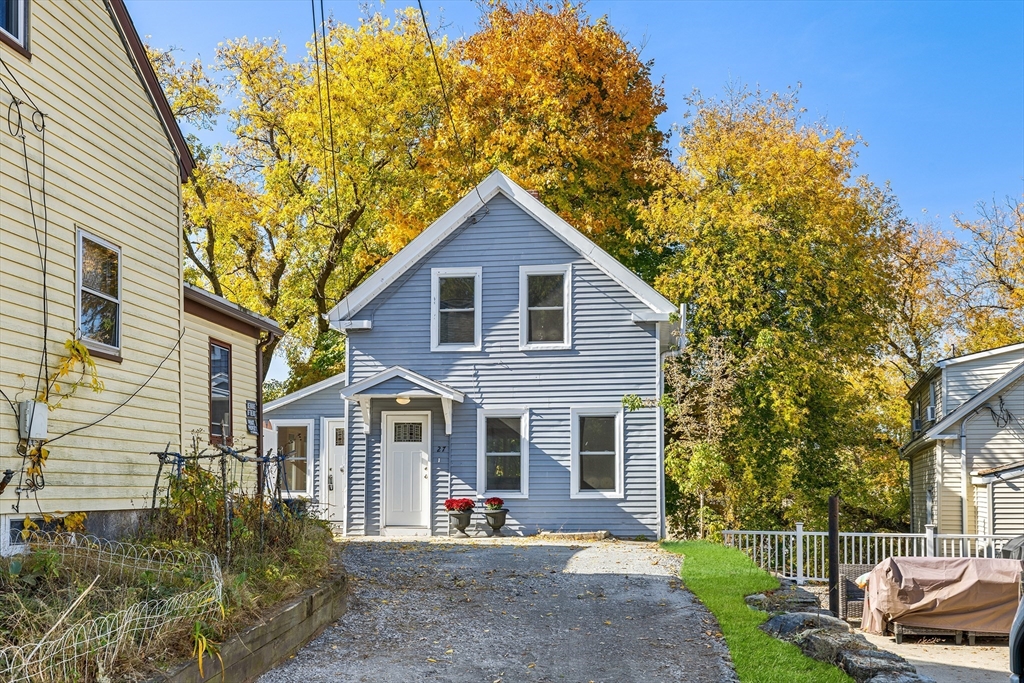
(406, 470)
(334, 451)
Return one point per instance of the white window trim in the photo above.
(481, 452)
(575, 414)
(7, 546)
(21, 38)
(91, 343)
(524, 317)
(435, 305)
(308, 424)
(324, 493)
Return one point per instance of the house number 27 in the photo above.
(441, 449)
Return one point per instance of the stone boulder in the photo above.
(827, 644)
(900, 677)
(788, 625)
(865, 665)
(792, 599)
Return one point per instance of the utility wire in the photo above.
(124, 402)
(330, 112)
(448, 108)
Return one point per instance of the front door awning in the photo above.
(397, 382)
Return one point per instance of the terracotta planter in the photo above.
(495, 519)
(460, 520)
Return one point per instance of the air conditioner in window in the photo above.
(916, 424)
(929, 414)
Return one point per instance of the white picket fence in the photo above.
(803, 555)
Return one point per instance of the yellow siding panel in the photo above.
(111, 171)
(196, 378)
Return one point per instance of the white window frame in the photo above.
(91, 343)
(565, 270)
(21, 38)
(575, 414)
(7, 546)
(311, 475)
(481, 452)
(435, 307)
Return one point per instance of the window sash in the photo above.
(545, 319)
(454, 325)
(515, 457)
(221, 393)
(83, 288)
(17, 29)
(598, 457)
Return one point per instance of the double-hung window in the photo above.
(597, 452)
(455, 309)
(220, 393)
(13, 20)
(503, 460)
(99, 293)
(545, 307)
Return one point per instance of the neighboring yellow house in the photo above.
(222, 352)
(91, 167)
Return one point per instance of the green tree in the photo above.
(786, 257)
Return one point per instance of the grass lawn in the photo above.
(721, 577)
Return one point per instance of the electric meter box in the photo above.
(32, 420)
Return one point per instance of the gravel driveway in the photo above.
(513, 610)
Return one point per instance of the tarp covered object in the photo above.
(955, 593)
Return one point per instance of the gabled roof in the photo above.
(302, 393)
(444, 226)
(938, 366)
(137, 52)
(365, 387)
(230, 309)
(975, 402)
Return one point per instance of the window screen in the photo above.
(456, 313)
(99, 296)
(503, 452)
(546, 307)
(220, 392)
(597, 453)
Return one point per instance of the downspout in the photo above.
(964, 474)
(663, 523)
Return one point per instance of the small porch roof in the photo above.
(398, 382)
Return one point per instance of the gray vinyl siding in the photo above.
(324, 403)
(990, 444)
(967, 378)
(922, 467)
(1008, 507)
(611, 356)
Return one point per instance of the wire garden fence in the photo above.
(191, 587)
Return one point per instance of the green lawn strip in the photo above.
(721, 577)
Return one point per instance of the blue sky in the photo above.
(936, 89)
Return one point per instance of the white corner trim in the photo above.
(605, 410)
(435, 304)
(455, 216)
(310, 436)
(523, 414)
(566, 271)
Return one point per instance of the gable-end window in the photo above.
(597, 453)
(503, 452)
(13, 16)
(545, 307)
(455, 309)
(99, 293)
(220, 393)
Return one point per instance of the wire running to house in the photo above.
(448, 108)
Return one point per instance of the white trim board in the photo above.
(452, 219)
